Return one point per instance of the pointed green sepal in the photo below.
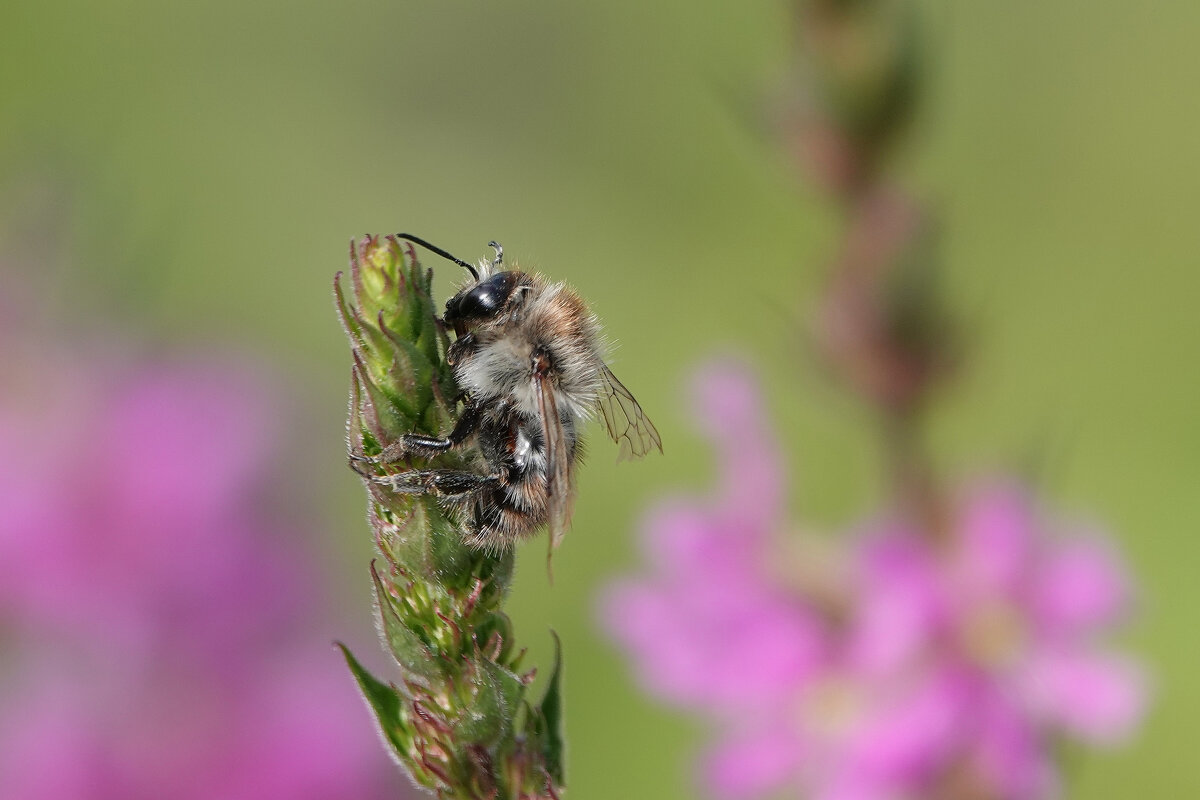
(386, 703)
(546, 721)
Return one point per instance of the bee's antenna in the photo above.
(439, 251)
(499, 259)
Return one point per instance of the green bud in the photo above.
(458, 720)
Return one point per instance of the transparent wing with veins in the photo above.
(627, 424)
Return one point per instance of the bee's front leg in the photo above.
(415, 444)
(462, 347)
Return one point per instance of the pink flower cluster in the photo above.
(160, 627)
(895, 664)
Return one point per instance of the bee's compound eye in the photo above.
(482, 301)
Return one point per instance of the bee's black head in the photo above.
(481, 301)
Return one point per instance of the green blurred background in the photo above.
(200, 167)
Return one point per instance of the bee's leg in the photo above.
(463, 345)
(440, 482)
(415, 444)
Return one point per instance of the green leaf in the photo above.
(400, 521)
(378, 406)
(411, 372)
(498, 574)
(385, 701)
(408, 648)
(452, 560)
(487, 718)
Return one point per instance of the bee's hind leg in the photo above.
(441, 482)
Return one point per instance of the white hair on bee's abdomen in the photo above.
(549, 316)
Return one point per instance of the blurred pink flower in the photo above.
(1017, 606)
(709, 629)
(163, 632)
(870, 719)
(894, 668)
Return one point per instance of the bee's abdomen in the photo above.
(514, 509)
(510, 513)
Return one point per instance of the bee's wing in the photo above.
(560, 479)
(627, 424)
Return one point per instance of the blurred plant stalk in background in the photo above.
(458, 721)
(162, 627)
(880, 325)
(946, 647)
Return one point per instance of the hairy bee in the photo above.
(528, 355)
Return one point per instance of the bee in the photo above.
(528, 356)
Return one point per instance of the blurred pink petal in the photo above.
(899, 601)
(728, 409)
(281, 753)
(998, 533)
(752, 764)
(736, 651)
(1082, 586)
(167, 640)
(849, 786)
(1097, 697)
(684, 539)
(49, 752)
(1009, 759)
(725, 398)
(183, 441)
(906, 741)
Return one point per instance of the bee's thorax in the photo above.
(544, 320)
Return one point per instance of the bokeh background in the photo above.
(187, 176)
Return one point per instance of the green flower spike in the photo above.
(457, 718)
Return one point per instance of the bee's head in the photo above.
(481, 301)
